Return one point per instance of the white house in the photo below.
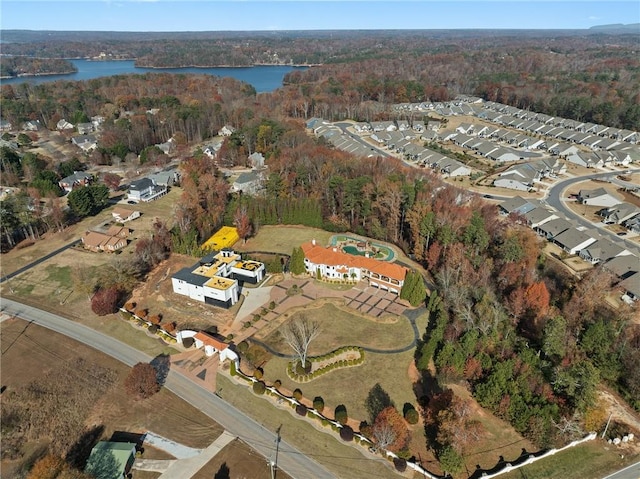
(226, 130)
(211, 344)
(573, 240)
(64, 125)
(249, 182)
(215, 278)
(123, 215)
(597, 197)
(145, 190)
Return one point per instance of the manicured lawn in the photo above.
(592, 460)
(282, 238)
(339, 327)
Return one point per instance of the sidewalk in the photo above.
(185, 468)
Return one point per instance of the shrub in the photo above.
(142, 313)
(126, 315)
(232, 369)
(188, 342)
(170, 327)
(130, 306)
(105, 301)
(411, 416)
(302, 370)
(259, 387)
(153, 329)
(229, 337)
(346, 434)
(297, 394)
(341, 414)
(277, 383)
(142, 381)
(243, 346)
(256, 317)
(318, 403)
(258, 373)
(247, 324)
(301, 410)
(400, 464)
(155, 318)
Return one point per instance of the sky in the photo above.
(240, 15)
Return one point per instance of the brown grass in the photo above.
(283, 238)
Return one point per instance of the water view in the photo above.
(263, 78)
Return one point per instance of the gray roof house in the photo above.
(539, 216)
(145, 189)
(518, 205)
(553, 228)
(602, 250)
(78, 178)
(619, 213)
(573, 240)
(623, 266)
(631, 286)
(597, 197)
(248, 183)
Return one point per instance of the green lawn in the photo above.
(282, 238)
(339, 327)
(591, 460)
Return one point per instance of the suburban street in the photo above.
(555, 200)
(290, 460)
(630, 472)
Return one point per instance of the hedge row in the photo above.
(343, 363)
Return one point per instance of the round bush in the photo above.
(243, 346)
(318, 403)
(400, 464)
(277, 383)
(187, 342)
(153, 328)
(346, 434)
(341, 414)
(297, 394)
(302, 370)
(411, 416)
(259, 387)
(301, 410)
(258, 373)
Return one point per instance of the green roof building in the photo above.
(111, 460)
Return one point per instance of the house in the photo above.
(86, 143)
(248, 183)
(64, 125)
(573, 240)
(5, 125)
(587, 160)
(631, 286)
(226, 130)
(119, 231)
(85, 128)
(111, 460)
(553, 228)
(452, 168)
(96, 242)
(256, 160)
(619, 213)
(623, 267)
(212, 149)
(597, 197)
(168, 177)
(215, 278)
(145, 190)
(123, 215)
(31, 125)
(79, 178)
(539, 216)
(331, 263)
(517, 205)
(168, 147)
(602, 250)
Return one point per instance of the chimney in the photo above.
(313, 241)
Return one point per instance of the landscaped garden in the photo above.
(363, 247)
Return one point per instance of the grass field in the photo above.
(283, 238)
(591, 460)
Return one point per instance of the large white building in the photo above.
(215, 278)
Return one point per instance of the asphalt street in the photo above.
(555, 200)
(631, 472)
(290, 460)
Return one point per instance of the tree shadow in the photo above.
(223, 473)
(79, 452)
(162, 364)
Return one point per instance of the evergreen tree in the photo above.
(297, 261)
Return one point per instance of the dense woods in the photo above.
(18, 66)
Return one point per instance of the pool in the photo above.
(354, 246)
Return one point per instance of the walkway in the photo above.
(189, 461)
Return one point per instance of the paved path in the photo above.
(290, 460)
(186, 468)
(154, 465)
(179, 451)
(630, 472)
(254, 298)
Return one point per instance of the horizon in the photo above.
(172, 16)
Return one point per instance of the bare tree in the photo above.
(383, 434)
(298, 334)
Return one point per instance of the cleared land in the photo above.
(283, 238)
(28, 354)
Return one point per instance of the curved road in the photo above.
(554, 199)
(290, 460)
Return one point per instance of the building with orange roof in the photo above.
(211, 344)
(332, 263)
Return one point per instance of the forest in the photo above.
(532, 343)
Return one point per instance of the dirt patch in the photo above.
(28, 349)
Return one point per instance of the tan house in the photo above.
(122, 215)
(95, 241)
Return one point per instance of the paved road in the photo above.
(290, 460)
(38, 261)
(554, 199)
(630, 472)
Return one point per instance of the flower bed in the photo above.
(345, 357)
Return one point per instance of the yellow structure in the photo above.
(225, 237)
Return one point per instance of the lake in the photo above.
(265, 78)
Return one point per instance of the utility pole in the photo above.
(607, 426)
(273, 461)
